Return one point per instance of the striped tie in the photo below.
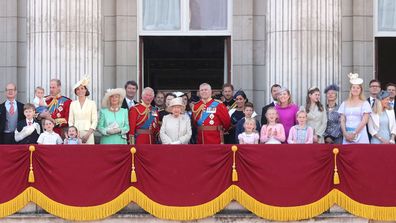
(12, 109)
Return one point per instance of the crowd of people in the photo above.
(204, 118)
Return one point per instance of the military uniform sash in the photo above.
(147, 123)
(207, 112)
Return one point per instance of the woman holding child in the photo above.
(113, 120)
(83, 114)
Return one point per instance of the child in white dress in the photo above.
(249, 136)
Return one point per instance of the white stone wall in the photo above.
(12, 44)
(303, 44)
(64, 41)
(357, 42)
(251, 58)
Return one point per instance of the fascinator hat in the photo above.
(84, 82)
(354, 78)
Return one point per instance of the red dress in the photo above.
(143, 124)
(58, 107)
(212, 120)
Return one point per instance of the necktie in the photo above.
(372, 102)
(12, 109)
(29, 123)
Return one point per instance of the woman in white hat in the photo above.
(113, 120)
(355, 113)
(382, 124)
(82, 113)
(176, 127)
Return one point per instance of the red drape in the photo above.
(193, 175)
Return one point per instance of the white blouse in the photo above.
(175, 130)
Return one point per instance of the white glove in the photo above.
(113, 131)
(29, 129)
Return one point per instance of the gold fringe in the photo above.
(199, 211)
(76, 213)
(234, 148)
(133, 172)
(336, 177)
(31, 173)
(184, 213)
(277, 213)
(377, 213)
(16, 204)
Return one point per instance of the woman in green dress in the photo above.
(113, 120)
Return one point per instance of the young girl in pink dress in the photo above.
(249, 136)
(273, 132)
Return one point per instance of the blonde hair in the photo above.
(272, 109)
(377, 107)
(361, 95)
(250, 120)
(38, 88)
(301, 111)
(289, 101)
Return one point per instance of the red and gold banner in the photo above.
(186, 182)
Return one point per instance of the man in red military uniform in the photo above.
(58, 107)
(211, 117)
(143, 120)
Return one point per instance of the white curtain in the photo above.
(208, 14)
(161, 14)
(387, 15)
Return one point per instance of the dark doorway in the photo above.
(182, 63)
(385, 60)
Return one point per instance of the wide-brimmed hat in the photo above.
(176, 102)
(111, 92)
(354, 78)
(84, 82)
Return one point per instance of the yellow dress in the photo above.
(84, 117)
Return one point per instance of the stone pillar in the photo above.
(126, 42)
(242, 46)
(303, 45)
(8, 43)
(64, 41)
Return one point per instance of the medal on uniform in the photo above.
(211, 122)
(211, 116)
(60, 108)
(58, 115)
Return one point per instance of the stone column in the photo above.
(64, 41)
(303, 45)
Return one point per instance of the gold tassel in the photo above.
(31, 173)
(133, 172)
(234, 148)
(336, 177)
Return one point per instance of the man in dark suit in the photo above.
(374, 90)
(391, 88)
(11, 112)
(274, 92)
(131, 88)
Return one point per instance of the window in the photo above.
(385, 17)
(185, 17)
